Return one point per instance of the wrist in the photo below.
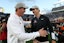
(53, 39)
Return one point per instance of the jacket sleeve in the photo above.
(51, 29)
(18, 31)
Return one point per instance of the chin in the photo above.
(22, 14)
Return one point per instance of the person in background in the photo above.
(38, 22)
(3, 35)
(15, 27)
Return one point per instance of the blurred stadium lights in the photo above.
(1, 9)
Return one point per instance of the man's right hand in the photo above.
(43, 33)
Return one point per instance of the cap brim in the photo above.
(31, 9)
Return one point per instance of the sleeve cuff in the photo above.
(53, 36)
(37, 34)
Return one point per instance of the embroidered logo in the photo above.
(42, 19)
(35, 21)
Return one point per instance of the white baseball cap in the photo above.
(33, 7)
(19, 5)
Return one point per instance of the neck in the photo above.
(37, 15)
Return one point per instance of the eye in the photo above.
(24, 8)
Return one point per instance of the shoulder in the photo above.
(44, 16)
(11, 18)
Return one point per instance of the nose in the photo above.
(33, 12)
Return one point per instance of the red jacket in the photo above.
(3, 35)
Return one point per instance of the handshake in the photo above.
(43, 32)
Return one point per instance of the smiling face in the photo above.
(21, 11)
(35, 11)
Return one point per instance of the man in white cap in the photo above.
(39, 22)
(15, 26)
